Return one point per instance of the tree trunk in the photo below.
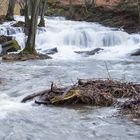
(26, 9)
(138, 6)
(42, 12)
(30, 45)
(10, 11)
(71, 9)
(93, 3)
(27, 19)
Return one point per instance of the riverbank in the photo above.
(113, 17)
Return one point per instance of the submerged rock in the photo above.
(10, 46)
(92, 52)
(51, 51)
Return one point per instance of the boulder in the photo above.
(51, 51)
(10, 46)
(92, 52)
(4, 39)
(136, 53)
(19, 24)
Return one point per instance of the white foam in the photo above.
(9, 105)
(69, 36)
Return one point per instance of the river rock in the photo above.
(10, 46)
(136, 53)
(51, 51)
(4, 39)
(19, 24)
(92, 52)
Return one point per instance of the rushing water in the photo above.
(31, 122)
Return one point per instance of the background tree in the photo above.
(10, 11)
(71, 9)
(138, 7)
(26, 10)
(93, 3)
(42, 12)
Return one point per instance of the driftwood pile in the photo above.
(93, 92)
(89, 92)
(131, 107)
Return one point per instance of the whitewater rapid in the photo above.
(19, 79)
(69, 36)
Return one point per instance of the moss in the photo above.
(62, 98)
(16, 45)
(28, 50)
(11, 44)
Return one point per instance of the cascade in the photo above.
(70, 36)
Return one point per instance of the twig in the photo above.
(107, 70)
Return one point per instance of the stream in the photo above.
(32, 122)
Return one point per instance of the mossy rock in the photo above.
(4, 39)
(10, 46)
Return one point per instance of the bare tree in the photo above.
(26, 10)
(30, 45)
(10, 11)
(71, 9)
(42, 12)
(138, 7)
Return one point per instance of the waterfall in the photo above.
(69, 36)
